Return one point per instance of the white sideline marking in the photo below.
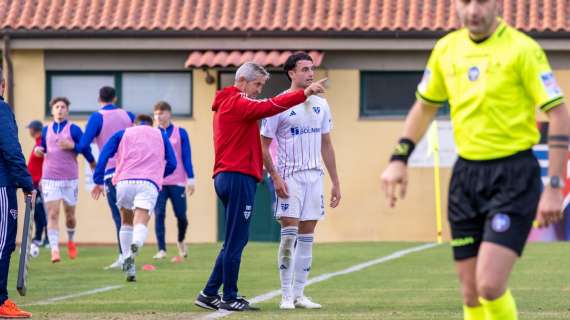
(272, 294)
(72, 296)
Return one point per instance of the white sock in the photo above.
(303, 260)
(70, 234)
(285, 259)
(139, 234)
(53, 237)
(126, 239)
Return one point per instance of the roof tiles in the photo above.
(237, 58)
(266, 15)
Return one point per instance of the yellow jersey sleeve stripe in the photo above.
(551, 104)
(419, 96)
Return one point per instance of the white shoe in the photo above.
(116, 265)
(160, 255)
(287, 303)
(182, 249)
(306, 303)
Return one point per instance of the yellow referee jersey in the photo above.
(493, 88)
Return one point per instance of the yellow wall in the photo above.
(362, 148)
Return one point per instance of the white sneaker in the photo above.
(160, 255)
(306, 303)
(182, 249)
(287, 303)
(115, 265)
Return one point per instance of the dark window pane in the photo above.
(390, 93)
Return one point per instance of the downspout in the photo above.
(7, 58)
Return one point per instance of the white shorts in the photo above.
(54, 190)
(306, 198)
(133, 194)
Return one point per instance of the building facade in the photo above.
(373, 53)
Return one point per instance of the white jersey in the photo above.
(298, 132)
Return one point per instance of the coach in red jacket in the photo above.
(237, 169)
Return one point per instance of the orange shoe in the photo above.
(55, 256)
(71, 250)
(9, 310)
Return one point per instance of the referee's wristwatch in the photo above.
(555, 182)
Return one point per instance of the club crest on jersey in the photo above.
(473, 73)
(284, 206)
(317, 110)
(501, 222)
(14, 213)
(292, 113)
(247, 211)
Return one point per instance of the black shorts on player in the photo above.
(493, 201)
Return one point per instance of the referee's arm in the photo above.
(550, 206)
(419, 119)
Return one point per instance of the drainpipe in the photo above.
(7, 58)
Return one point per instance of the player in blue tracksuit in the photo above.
(101, 125)
(176, 185)
(13, 175)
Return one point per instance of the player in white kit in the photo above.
(303, 135)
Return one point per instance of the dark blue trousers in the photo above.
(8, 229)
(237, 192)
(112, 201)
(177, 195)
(40, 219)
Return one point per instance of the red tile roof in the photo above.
(237, 58)
(343, 16)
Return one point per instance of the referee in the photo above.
(13, 175)
(493, 77)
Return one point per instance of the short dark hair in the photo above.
(143, 119)
(107, 94)
(291, 62)
(60, 99)
(162, 106)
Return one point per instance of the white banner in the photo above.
(423, 157)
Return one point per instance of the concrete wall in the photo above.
(362, 147)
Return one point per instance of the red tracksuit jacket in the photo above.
(35, 164)
(237, 142)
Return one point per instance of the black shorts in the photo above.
(494, 201)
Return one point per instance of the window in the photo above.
(136, 91)
(81, 90)
(277, 83)
(390, 93)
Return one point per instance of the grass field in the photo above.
(418, 286)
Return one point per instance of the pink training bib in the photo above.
(59, 164)
(113, 121)
(140, 156)
(178, 177)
